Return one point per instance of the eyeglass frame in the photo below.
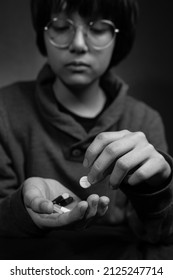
(116, 30)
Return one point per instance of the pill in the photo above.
(58, 209)
(84, 182)
(65, 195)
(67, 201)
(63, 200)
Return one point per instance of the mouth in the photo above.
(77, 65)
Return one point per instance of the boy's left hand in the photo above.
(125, 155)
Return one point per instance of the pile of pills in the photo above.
(61, 201)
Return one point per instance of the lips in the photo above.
(77, 65)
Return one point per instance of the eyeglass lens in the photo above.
(98, 34)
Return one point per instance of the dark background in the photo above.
(148, 69)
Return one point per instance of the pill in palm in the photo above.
(84, 182)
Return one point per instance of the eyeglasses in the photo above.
(99, 34)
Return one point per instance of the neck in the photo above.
(85, 102)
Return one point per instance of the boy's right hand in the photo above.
(38, 194)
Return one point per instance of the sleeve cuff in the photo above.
(21, 219)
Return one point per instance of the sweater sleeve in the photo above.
(14, 218)
(150, 212)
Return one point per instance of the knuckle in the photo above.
(122, 164)
(140, 135)
(160, 157)
(150, 148)
(110, 150)
(101, 136)
(125, 131)
(161, 161)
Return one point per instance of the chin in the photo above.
(77, 83)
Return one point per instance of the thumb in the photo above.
(34, 199)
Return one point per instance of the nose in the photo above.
(79, 42)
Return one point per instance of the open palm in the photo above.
(38, 194)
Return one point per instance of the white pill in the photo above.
(65, 195)
(60, 209)
(84, 182)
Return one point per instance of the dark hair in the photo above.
(124, 13)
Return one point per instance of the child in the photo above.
(77, 120)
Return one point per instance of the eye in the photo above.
(61, 27)
(99, 27)
(97, 31)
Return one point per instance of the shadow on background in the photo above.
(148, 69)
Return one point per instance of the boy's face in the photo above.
(79, 64)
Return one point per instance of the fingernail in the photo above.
(85, 162)
(115, 187)
(83, 210)
(91, 180)
(94, 204)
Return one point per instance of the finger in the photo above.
(93, 201)
(78, 212)
(41, 205)
(104, 164)
(34, 199)
(149, 172)
(99, 143)
(103, 205)
(127, 164)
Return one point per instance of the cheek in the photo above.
(55, 57)
(55, 60)
(104, 59)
